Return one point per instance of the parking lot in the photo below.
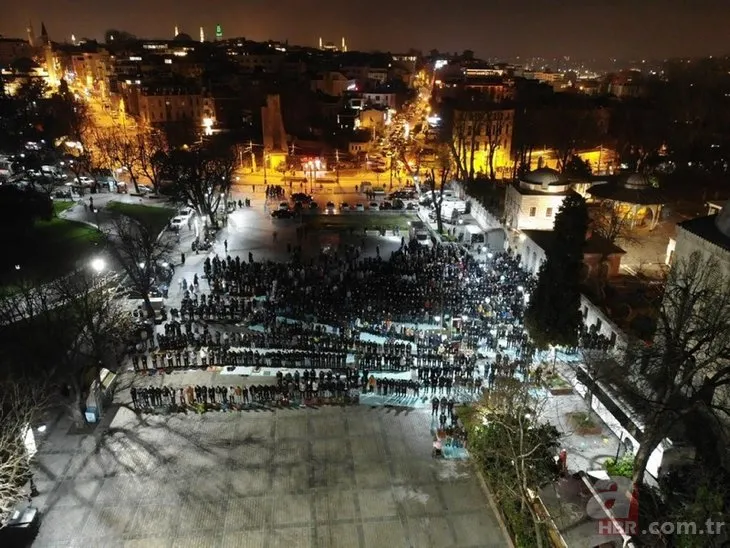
(337, 476)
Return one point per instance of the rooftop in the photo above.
(635, 188)
(707, 229)
(594, 244)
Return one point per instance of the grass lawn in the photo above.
(59, 206)
(53, 248)
(155, 217)
(359, 221)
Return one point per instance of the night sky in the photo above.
(492, 28)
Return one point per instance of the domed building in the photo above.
(532, 202)
(634, 195)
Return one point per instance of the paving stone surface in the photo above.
(342, 477)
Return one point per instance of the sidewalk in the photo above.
(585, 451)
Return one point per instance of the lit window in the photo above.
(549, 212)
(533, 211)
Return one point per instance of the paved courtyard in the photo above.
(336, 476)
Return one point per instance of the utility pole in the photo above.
(337, 166)
(253, 157)
(266, 182)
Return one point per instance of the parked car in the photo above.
(301, 197)
(386, 206)
(176, 223)
(283, 206)
(282, 214)
(344, 206)
(375, 206)
(84, 180)
(330, 207)
(359, 207)
(423, 238)
(313, 205)
(21, 528)
(186, 213)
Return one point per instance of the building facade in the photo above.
(533, 202)
(483, 132)
(167, 104)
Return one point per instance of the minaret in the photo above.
(31, 34)
(202, 34)
(344, 45)
(320, 42)
(177, 31)
(44, 34)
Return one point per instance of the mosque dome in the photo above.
(722, 221)
(544, 176)
(638, 181)
(545, 181)
(182, 37)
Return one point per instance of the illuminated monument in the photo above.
(272, 124)
(331, 46)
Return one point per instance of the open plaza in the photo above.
(232, 427)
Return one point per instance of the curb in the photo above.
(493, 505)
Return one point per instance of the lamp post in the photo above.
(266, 181)
(98, 265)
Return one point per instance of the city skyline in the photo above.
(501, 29)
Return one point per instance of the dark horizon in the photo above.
(655, 29)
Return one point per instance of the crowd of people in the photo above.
(341, 316)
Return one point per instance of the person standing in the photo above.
(225, 246)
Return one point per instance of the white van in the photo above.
(472, 236)
(424, 238)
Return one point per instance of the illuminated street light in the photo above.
(141, 265)
(208, 126)
(98, 265)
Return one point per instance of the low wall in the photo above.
(595, 316)
(481, 215)
(617, 416)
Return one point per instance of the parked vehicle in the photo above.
(282, 214)
(21, 528)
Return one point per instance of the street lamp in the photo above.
(98, 265)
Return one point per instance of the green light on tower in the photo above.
(218, 32)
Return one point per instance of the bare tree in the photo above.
(495, 125)
(94, 300)
(20, 406)
(613, 223)
(139, 251)
(103, 326)
(437, 182)
(468, 125)
(123, 149)
(685, 373)
(203, 178)
(153, 155)
(37, 313)
(510, 440)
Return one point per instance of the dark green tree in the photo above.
(553, 315)
(578, 167)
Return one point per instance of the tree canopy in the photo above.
(553, 315)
